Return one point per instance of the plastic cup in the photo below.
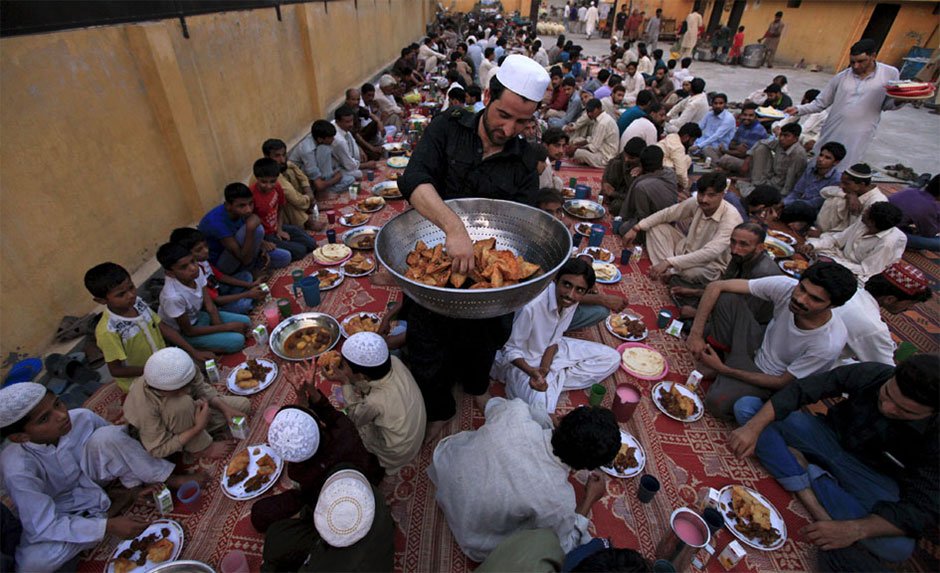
(649, 485)
(370, 175)
(582, 191)
(597, 235)
(572, 182)
(189, 493)
(626, 399)
(272, 316)
(558, 165)
(310, 287)
(331, 216)
(353, 191)
(713, 518)
(283, 307)
(625, 256)
(270, 412)
(664, 318)
(597, 394)
(234, 562)
(331, 235)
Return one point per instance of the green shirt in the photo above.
(132, 340)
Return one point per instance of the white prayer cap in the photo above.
(386, 80)
(366, 349)
(18, 400)
(474, 38)
(345, 508)
(294, 435)
(169, 369)
(523, 76)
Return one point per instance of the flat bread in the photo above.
(605, 271)
(332, 252)
(643, 361)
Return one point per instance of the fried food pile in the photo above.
(675, 403)
(627, 327)
(155, 547)
(327, 277)
(796, 266)
(237, 470)
(362, 323)
(329, 361)
(252, 375)
(307, 342)
(359, 264)
(753, 517)
(356, 219)
(626, 459)
(492, 267)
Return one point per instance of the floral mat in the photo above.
(684, 457)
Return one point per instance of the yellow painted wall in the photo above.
(112, 136)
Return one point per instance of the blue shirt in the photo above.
(808, 186)
(750, 135)
(498, 51)
(476, 55)
(627, 117)
(716, 129)
(217, 225)
(602, 92)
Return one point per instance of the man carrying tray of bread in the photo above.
(466, 154)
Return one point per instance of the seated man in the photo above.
(367, 129)
(620, 172)
(643, 101)
(603, 143)
(235, 235)
(920, 208)
(734, 157)
(477, 474)
(537, 363)
(867, 470)
(775, 98)
(701, 255)
(802, 338)
(896, 290)
(349, 528)
(389, 111)
(867, 247)
(645, 127)
(55, 468)
(176, 410)
(475, 98)
(269, 200)
(323, 174)
(690, 110)
(382, 398)
(595, 306)
(298, 195)
(612, 102)
(653, 190)
(346, 152)
(186, 306)
(843, 204)
(555, 141)
(718, 127)
(810, 123)
(779, 162)
(749, 260)
(763, 205)
(822, 173)
(572, 111)
(313, 438)
(634, 83)
(583, 126)
(547, 177)
(675, 148)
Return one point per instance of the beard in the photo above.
(495, 137)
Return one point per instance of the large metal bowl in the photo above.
(304, 320)
(527, 231)
(183, 567)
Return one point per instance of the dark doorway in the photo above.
(714, 21)
(737, 12)
(880, 23)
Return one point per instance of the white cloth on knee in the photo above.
(577, 364)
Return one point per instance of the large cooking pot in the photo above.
(753, 55)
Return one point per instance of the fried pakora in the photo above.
(362, 323)
(492, 267)
(753, 517)
(160, 551)
(675, 403)
(238, 463)
(626, 459)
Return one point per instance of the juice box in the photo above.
(239, 427)
(212, 371)
(731, 555)
(695, 378)
(163, 500)
(260, 333)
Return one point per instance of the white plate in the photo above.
(237, 492)
(603, 255)
(640, 454)
(596, 209)
(338, 271)
(399, 162)
(363, 209)
(348, 236)
(353, 275)
(342, 325)
(777, 243)
(781, 236)
(176, 536)
(268, 379)
(630, 315)
(793, 274)
(685, 391)
(583, 229)
(377, 190)
(612, 280)
(776, 520)
(344, 221)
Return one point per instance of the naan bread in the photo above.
(643, 361)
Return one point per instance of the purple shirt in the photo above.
(602, 92)
(808, 186)
(920, 209)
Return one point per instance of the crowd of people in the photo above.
(512, 112)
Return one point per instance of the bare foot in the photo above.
(217, 450)
(176, 481)
(434, 430)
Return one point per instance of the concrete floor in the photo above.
(909, 135)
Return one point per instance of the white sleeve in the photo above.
(773, 289)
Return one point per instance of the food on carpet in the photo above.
(583, 211)
(643, 361)
(307, 342)
(600, 254)
(359, 264)
(775, 250)
(329, 361)
(753, 517)
(160, 551)
(371, 204)
(328, 278)
(675, 403)
(492, 268)
(361, 323)
(252, 375)
(356, 218)
(627, 326)
(605, 271)
(332, 252)
(238, 463)
(780, 235)
(796, 266)
(626, 459)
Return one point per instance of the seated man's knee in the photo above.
(718, 405)
(745, 408)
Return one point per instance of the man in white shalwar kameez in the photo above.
(54, 469)
(537, 363)
(590, 20)
(693, 22)
(512, 474)
(855, 98)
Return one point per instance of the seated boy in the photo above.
(182, 301)
(269, 200)
(538, 363)
(229, 293)
(326, 177)
(235, 236)
(128, 331)
(298, 194)
(176, 410)
(55, 468)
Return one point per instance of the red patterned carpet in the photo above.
(685, 458)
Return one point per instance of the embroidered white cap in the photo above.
(366, 349)
(294, 435)
(523, 76)
(345, 509)
(169, 369)
(18, 400)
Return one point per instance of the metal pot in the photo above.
(183, 567)
(753, 56)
